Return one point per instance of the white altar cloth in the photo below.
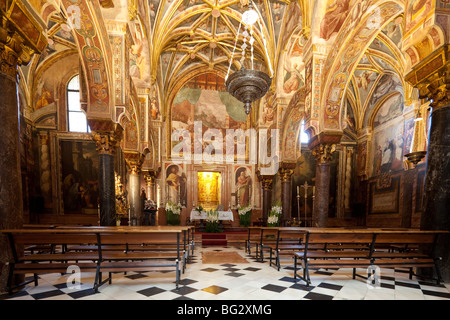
(223, 215)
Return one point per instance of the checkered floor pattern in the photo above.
(245, 281)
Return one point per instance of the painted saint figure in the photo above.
(243, 187)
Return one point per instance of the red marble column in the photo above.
(11, 205)
(107, 142)
(323, 154)
(267, 183)
(285, 172)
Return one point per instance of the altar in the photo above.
(223, 215)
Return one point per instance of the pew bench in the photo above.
(364, 249)
(94, 259)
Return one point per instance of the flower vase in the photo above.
(173, 219)
(245, 219)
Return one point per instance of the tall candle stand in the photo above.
(305, 186)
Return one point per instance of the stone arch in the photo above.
(352, 41)
(90, 34)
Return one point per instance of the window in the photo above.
(304, 138)
(76, 117)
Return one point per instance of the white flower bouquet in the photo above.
(245, 215)
(273, 220)
(173, 212)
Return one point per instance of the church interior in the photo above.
(117, 112)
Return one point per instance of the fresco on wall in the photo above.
(243, 185)
(336, 12)
(293, 66)
(216, 109)
(387, 147)
(176, 188)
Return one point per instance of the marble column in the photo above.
(285, 173)
(134, 163)
(107, 143)
(11, 215)
(323, 154)
(267, 183)
(436, 214)
(433, 81)
(150, 182)
(13, 52)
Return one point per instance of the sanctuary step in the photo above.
(214, 239)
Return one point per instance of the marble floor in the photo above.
(236, 281)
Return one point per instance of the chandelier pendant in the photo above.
(248, 85)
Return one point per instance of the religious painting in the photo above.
(387, 147)
(387, 84)
(293, 66)
(267, 111)
(209, 190)
(176, 188)
(336, 12)
(131, 137)
(205, 101)
(365, 79)
(79, 176)
(155, 113)
(349, 122)
(243, 185)
(44, 96)
(291, 135)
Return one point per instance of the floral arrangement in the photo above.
(173, 213)
(199, 209)
(245, 215)
(212, 222)
(274, 215)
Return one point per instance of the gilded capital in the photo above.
(323, 152)
(432, 77)
(267, 182)
(134, 161)
(106, 142)
(285, 174)
(10, 51)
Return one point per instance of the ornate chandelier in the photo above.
(248, 85)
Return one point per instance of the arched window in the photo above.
(76, 118)
(304, 137)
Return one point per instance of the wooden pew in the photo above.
(288, 240)
(93, 258)
(268, 238)
(421, 252)
(357, 248)
(146, 254)
(187, 242)
(253, 240)
(49, 262)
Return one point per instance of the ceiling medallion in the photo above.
(248, 85)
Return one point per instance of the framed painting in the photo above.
(75, 182)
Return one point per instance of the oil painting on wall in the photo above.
(79, 172)
(243, 185)
(176, 191)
